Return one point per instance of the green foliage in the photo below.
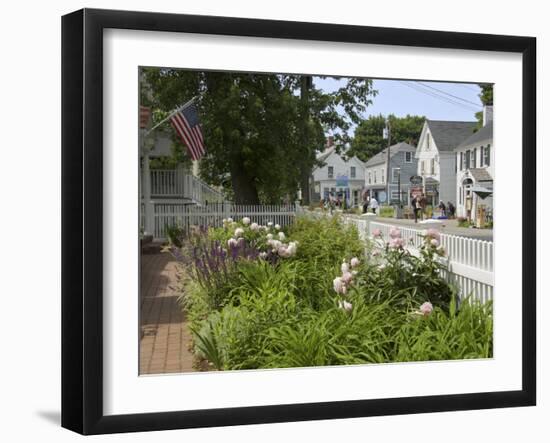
(174, 234)
(386, 211)
(368, 139)
(464, 333)
(286, 313)
(325, 241)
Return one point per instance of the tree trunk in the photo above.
(306, 169)
(244, 187)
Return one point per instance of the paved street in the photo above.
(447, 227)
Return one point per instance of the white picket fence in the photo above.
(212, 215)
(470, 261)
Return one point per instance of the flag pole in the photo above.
(175, 111)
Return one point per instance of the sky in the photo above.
(434, 100)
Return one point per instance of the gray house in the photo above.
(403, 165)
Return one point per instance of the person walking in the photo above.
(442, 208)
(415, 207)
(451, 209)
(374, 205)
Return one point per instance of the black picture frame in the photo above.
(82, 218)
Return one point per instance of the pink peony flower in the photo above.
(376, 232)
(434, 242)
(255, 227)
(354, 262)
(345, 305)
(282, 236)
(433, 233)
(344, 267)
(338, 285)
(239, 232)
(269, 236)
(347, 277)
(277, 227)
(396, 243)
(395, 233)
(426, 308)
(246, 221)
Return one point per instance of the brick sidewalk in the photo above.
(164, 334)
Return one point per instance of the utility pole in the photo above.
(388, 131)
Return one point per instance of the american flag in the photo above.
(186, 123)
(144, 115)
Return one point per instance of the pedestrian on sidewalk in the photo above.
(374, 205)
(415, 203)
(442, 208)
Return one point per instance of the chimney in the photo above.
(487, 114)
(330, 142)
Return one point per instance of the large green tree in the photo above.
(369, 138)
(261, 130)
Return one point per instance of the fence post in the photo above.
(149, 206)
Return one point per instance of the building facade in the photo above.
(436, 158)
(338, 177)
(403, 165)
(475, 172)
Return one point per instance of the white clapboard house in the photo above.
(168, 189)
(338, 176)
(475, 172)
(436, 157)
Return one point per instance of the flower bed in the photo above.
(309, 295)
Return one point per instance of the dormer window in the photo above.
(408, 157)
(331, 172)
(352, 172)
(427, 141)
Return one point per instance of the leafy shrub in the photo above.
(386, 211)
(390, 305)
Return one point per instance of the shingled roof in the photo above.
(382, 156)
(481, 175)
(484, 135)
(448, 134)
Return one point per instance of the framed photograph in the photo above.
(269, 221)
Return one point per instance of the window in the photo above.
(432, 166)
(382, 175)
(395, 174)
(352, 172)
(331, 172)
(374, 176)
(395, 195)
(487, 155)
(461, 161)
(370, 177)
(427, 141)
(460, 194)
(408, 157)
(467, 160)
(422, 167)
(474, 158)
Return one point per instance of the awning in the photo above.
(482, 192)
